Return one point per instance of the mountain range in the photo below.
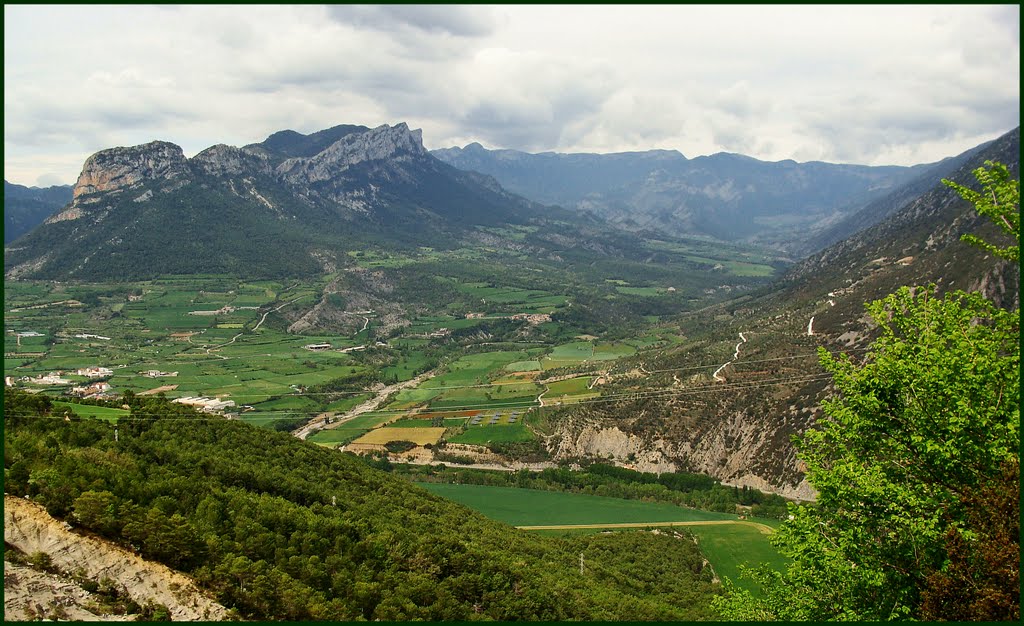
(741, 428)
(281, 207)
(27, 207)
(730, 197)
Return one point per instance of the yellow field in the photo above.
(419, 436)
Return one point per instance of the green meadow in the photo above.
(727, 546)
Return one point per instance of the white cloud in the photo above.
(866, 84)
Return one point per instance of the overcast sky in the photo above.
(845, 84)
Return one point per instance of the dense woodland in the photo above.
(277, 528)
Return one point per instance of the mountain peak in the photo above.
(224, 160)
(383, 142)
(118, 168)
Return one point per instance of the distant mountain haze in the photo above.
(27, 207)
(726, 196)
(287, 205)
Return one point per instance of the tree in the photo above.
(918, 437)
(998, 200)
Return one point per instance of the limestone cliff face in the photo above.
(120, 168)
(115, 171)
(395, 143)
(724, 453)
(223, 160)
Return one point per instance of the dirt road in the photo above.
(735, 356)
(764, 528)
(320, 421)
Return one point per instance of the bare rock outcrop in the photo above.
(28, 527)
(118, 168)
(724, 453)
(31, 595)
(394, 143)
(224, 160)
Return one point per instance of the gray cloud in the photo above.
(868, 84)
(460, 21)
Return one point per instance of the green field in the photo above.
(352, 429)
(531, 507)
(498, 433)
(727, 546)
(645, 292)
(85, 410)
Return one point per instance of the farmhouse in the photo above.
(158, 374)
(53, 378)
(317, 347)
(533, 318)
(206, 405)
(95, 372)
(91, 390)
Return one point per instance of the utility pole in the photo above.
(581, 563)
(115, 434)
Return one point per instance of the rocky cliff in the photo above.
(394, 143)
(224, 160)
(29, 528)
(118, 168)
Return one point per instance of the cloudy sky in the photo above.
(846, 84)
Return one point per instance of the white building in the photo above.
(206, 405)
(95, 372)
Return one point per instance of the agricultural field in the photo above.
(531, 507)
(419, 436)
(569, 391)
(84, 410)
(484, 433)
(730, 547)
(350, 430)
(727, 546)
(209, 335)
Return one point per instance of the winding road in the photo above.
(320, 421)
(735, 356)
(254, 328)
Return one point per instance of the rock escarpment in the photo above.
(29, 528)
(118, 168)
(163, 165)
(394, 143)
(224, 160)
(724, 453)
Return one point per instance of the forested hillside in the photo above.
(282, 529)
(916, 459)
(27, 207)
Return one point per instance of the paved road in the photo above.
(764, 528)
